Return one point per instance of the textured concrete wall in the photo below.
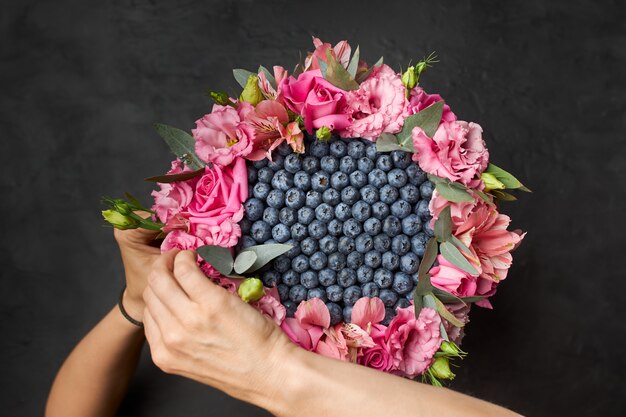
(81, 83)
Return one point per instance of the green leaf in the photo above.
(388, 142)
(451, 193)
(265, 253)
(379, 62)
(442, 331)
(220, 258)
(428, 119)
(430, 254)
(460, 245)
(430, 301)
(484, 196)
(354, 62)
(452, 255)
(181, 144)
(444, 313)
(473, 299)
(337, 75)
(133, 200)
(443, 225)
(505, 178)
(418, 303)
(244, 261)
(268, 75)
(242, 75)
(504, 196)
(176, 177)
(446, 297)
(362, 76)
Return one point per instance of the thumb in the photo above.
(139, 236)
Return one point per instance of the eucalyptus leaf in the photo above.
(418, 304)
(244, 261)
(443, 225)
(430, 301)
(446, 297)
(456, 258)
(505, 178)
(354, 62)
(176, 177)
(387, 142)
(181, 143)
(323, 66)
(452, 194)
(268, 75)
(362, 76)
(265, 253)
(460, 245)
(502, 195)
(430, 254)
(242, 75)
(337, 75)
(220, 258)
(428, 119)
(442, 331)
(444, 313)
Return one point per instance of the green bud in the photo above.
(441, 368)
(251, 289)
(119, 220)
(409, 78)
(491, 182)
(451, 350)
(323, 133)
(252, 93)
(121, 207)
(220, 98)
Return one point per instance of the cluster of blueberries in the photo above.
(358, 222)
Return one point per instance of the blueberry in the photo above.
(282, 180)
(346, 277)
(252, 174)
(338, 149)
(409, 263)
(287, 216)
(318, 261)
(295, 198)
(350, 195)
(336, 313)
(319, 148)
(327, 277)
(309, 246)
(302, 181)
(361, 211)
(351, 295)
(300, 263)
(389, 194)
(261, 231)
(265, 175)
(391, 261)
(402, 283)
(383, 278)
(354, 260)
(328, 244)
(370, 150)
(347, 314)
(343, 211)
(418, 244)
(369, 194)
(284, 149)
(270, 216)
(335, 227)
(339, 180)
(372, 259)
(410, 193)
(426, 190)
(372, 226)
(365, 165)
(334, 293)
(293, 163)
(282, 264)
(306, 215)
(309, 280)
(245, 225)
(337, 261)
(320, 181)
(310, 165)
(346, 245)
(260, 164)
(411, 224)
(276, 163)
(384, 162)
(377, 178)
(392, 226)
(400, 209)
(347, 165)
(382, 243)
(316, 293)
(364, 243)
(331, 196)
(402, 303)
(297, 293)
(352, 228)
(388, 297)
(295, 248)
(299, 232)
(247, 241)
(371, 290)
(422, 210)
(400, 244)
(329, 164)
(261, 190)
(415, 174)
(356, 149)
(283, 291)
(358, 179)
(317, 229)
(281, 233)
(290, 307)
(324, 213)
(291, 278)
(254, 209)
(276, 199)
(397, 178)
(380, 210)
(364, 274)
(271, 278)
(401, 159)
(427, 229)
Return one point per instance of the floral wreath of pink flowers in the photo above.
(332, 92)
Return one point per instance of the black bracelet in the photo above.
(124, 313)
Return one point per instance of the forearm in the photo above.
(93, 379)
(316, 386)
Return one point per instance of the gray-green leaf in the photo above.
(388, 142)
(505, 178)
(456, 258)
(428, 119)
(443, 225)
(460, 245)
(354, 62)
(242, 75)
(181, 143)
(337, 75)
(444, 313)
(451, 193)
(268, 75)
(220, 258)
(265, 253)
(176, 177)
(244, 261)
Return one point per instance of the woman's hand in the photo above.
(199, 330)
(139, 250)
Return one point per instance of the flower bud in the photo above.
(441, 368)
(409, 79)
(491, 182)
(252, 93)
(118, 220)
(220, 98)
(323, 133)
(451, 350)
(121, 207)
(251, 289)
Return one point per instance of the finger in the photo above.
(163, 284)
(159, 311)
(191, 278)
(154, 337)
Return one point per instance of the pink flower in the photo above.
(307, 328)
(378, 356)
(413, 343)
(379, 105)
(222, 136)
(448, 277)
(317, 100)
(173, 197)
(333, 344)
(420, 99)
(456, 151)
(266, 88)
(341, 52)
(226, 234)
(178, 239)
(271, 124)
(461, 312)
(271, 307)
(367, 312)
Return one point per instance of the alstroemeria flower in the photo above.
(270, 122)
(341, 52)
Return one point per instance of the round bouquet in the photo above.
(346, 204)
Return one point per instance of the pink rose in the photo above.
(413, 342)
(378, 356)
(456, 151)
(173, 197)
(222, 135)
(317, 100)
(341, 52)
(420, 99)
(378, 106)
(448, 277)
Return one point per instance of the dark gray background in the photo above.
(81, 83)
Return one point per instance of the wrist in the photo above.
(134, 306)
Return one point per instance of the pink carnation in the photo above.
(456, 151)
(379, 105)
(221, 135)
(271, 308)
(173, 197)
(178, 239)
(420, 99)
